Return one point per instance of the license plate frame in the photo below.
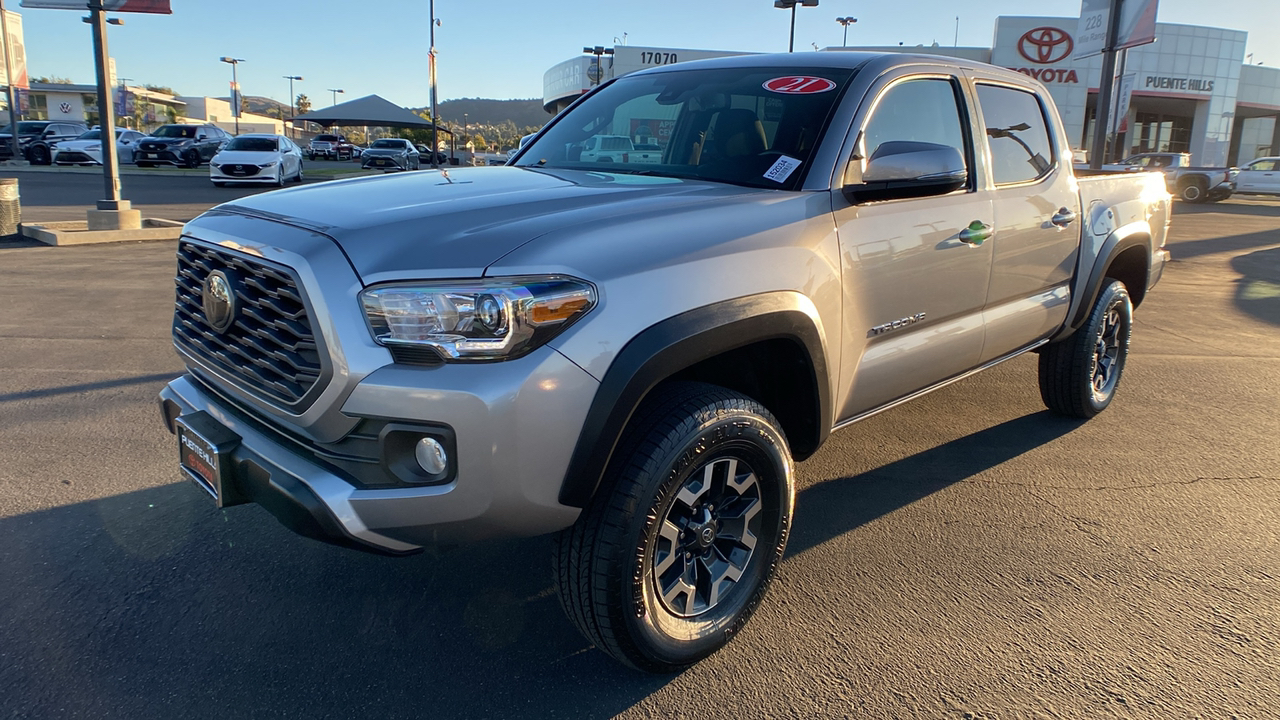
(204, 455)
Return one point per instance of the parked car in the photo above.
(1260, 177)
(646, 154)
(37, 138)
(1192, 184)
(390, 154)
(635, 363)
(87, 148)
(606, 148)
(184, 145)
(329, 147)
(257, 158)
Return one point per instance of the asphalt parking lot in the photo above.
(966, 555)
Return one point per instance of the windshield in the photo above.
(175, 131)
(252, 144)
(746, 126)
(26, 128)
(394, 144)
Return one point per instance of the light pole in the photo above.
(846, 22)
(431, 76)
(599, 51)
(466, 141)
(791, 5)
(292, 110)
(235, 89)
(335, 92)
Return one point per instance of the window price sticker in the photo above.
(782, 169)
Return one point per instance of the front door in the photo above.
(1037, 208)
(913, 288)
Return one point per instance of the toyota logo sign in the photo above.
(1045, 45)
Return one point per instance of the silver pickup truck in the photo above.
(632, 356)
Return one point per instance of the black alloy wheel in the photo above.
(40, 155)
(678, 546)
(1079, 375)
(192, 158)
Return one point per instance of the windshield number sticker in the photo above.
(799, 85)
(782, 169)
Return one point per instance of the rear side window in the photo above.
(922, 110)
(1018, 133)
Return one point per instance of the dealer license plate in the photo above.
(204, 448)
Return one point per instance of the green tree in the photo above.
(52, 80)
(160, 89)
(303, 103)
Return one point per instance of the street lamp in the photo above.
(235, 89)
(846, 22)
(791, 5)
(292, 109)
(335, 94)
(600, 51)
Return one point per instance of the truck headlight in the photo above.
(496, 319)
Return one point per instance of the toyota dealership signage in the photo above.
(1042, 49)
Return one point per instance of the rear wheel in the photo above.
(676, 550)
(1193, 190)
(1079, 376)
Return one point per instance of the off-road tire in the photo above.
(609, 564)
(1079, 375)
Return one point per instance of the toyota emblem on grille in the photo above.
(219, 301)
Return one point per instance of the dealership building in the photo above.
(1192, 91)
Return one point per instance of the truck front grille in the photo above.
(270, 348)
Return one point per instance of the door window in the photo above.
(1018, 133)
(1263, 166)
(924, 110)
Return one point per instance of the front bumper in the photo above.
(159, 157)
(384, 162)
(262, 175)
(516, 424)
(76, 157)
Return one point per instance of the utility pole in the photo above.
(8, 82)
(292, 110)
(1102, 114)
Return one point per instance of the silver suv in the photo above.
(633, 355)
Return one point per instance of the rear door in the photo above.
(1036, 209)
(913, 289)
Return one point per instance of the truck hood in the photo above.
(454, 224)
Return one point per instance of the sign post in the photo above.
(8, 82)
(112, 212)
(1107, 26)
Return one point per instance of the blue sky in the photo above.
(500, 48)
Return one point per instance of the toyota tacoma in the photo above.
(634, 355)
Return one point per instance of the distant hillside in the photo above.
(481, 111)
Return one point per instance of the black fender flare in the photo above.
(680, 342)
(1112, 249)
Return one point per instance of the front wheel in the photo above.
(40, 155)
(1079, 376)
(677, 548)
(192, 159)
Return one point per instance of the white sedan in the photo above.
(87, 148)
(257, 158)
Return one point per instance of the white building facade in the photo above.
(1192, 91)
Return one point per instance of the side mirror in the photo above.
(905, 169)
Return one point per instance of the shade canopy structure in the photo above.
(368, 110)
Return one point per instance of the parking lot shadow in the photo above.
(834, 507)
(1258, 289)
(152, 604)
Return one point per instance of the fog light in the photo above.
(431, 456)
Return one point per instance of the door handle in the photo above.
(977, 233)
(1063, 218)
